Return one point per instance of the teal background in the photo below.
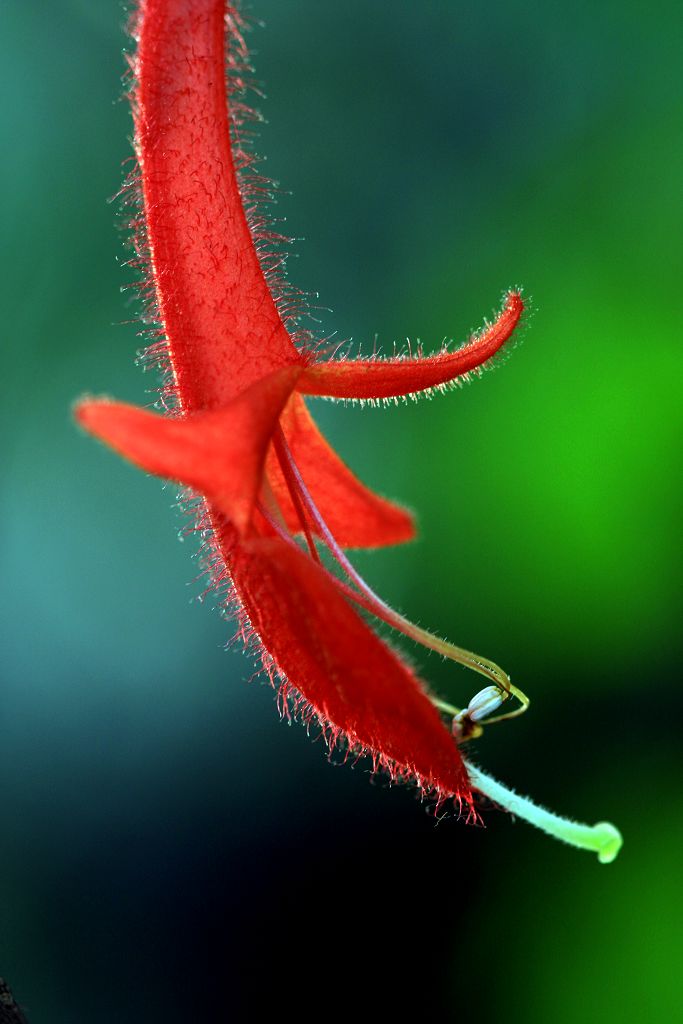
(169, 849)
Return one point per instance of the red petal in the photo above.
(392, 378)
(220, 454)
(354, 682)
(223, 329)
(357, 516)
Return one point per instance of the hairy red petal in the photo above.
(356, 516)
(353, 681)
(220, 454)
(223, 329)
(392, 378)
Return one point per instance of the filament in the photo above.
(373, 603)
(287, 465)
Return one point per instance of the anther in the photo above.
(466, 723)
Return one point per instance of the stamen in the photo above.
(284, 457)
(373, 602)
(604, 838)
(466, 723)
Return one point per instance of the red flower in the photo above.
(236, 429)
(237, 432)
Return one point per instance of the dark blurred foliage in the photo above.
(170, 850)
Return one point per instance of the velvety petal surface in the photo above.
(354, 682)
(219, 454)
(393, 378)
(356, 516)
(222, 326)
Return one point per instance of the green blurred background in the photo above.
(171, 851)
